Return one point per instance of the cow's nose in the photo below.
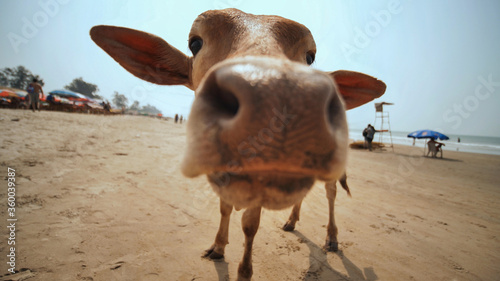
(264, 113)
(257, 88)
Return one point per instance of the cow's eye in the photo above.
(195, 45)
(310, 58)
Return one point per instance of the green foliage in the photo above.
(18, 77)
(120, 100)
(134, 106)
(146, 109)
(149, 109)
(80, 86)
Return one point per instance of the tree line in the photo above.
(20, 77)
(121, 101)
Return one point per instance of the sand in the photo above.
(102, 198)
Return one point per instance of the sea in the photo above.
(475, 144)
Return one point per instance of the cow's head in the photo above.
(264, 124)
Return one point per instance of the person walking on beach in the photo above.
(34, 90)
(369, 133)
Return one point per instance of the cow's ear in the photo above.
(144, 55)
(357, 88)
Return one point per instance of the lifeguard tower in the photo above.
(383, 118)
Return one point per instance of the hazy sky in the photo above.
(439, 59)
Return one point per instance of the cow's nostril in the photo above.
(224, 101)
(333, 109)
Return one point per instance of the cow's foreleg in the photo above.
(216, 251)
(331, 244)
(250, 223)
(294, 217)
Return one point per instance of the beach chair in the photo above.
(439, 149)
(432, 149)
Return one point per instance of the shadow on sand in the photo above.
(444, 159)
(320, 269)
(427, 157)
(221, 266)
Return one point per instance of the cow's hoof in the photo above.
(288, 227)
(331, 246)
(212, 254)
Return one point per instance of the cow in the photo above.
(264, 125)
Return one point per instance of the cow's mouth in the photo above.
(272, 190)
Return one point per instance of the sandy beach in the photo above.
(103, 198)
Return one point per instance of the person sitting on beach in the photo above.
(106, 106)
(431, 145)
(434, 148)
(439, 149)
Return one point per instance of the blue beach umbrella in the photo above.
(428, 134)
(65, 93)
